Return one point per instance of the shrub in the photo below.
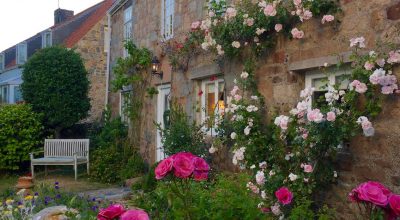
(224, 198)
(182, 135)
(20, 134)
(55, 83)
(112, 159)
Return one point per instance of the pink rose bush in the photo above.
(117, 211)
(183, 165)
(374, 195)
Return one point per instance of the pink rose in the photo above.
(201, 169)
(135, 215)
(394, 202)
(368, 65)
(327, 18)
(231, 12)
(111, 212)
(315, 115)
(284, 196)
(296, 33)
(297, 2)
(308, 168)
(195, 25)
(278, 27)
(331, 116)
(394, 57)
(371, 191)
(163, 168)
(381, 62)
(270, 10)
(183, 165)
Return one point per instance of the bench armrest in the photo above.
(35, 152)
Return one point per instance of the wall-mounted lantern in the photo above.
(156, 67)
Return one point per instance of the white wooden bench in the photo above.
(63, 152)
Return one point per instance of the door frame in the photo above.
(162, 91)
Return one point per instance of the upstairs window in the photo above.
(128, 26)
(168, 7)
(21, 53)
(1, 62)
(46, 39)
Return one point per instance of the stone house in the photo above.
(83, 32)
(281, 75)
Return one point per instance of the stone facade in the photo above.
(281, 77)
(91, 49)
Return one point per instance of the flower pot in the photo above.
(25, 182)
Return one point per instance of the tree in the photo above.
(55, 83)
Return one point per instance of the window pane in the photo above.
(21, 53)
(4, 94)
(17, 94)
(320, 84)
(342, 81)
(128, 14)
(221, 97)
(210, 99)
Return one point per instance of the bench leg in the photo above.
(87, 167)
(32, 171)
(76, 171)
(45, 170)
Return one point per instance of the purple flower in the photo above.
(58, 196)
(36, 194)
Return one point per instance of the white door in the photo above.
(163, 104)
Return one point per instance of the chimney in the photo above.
(61, 15)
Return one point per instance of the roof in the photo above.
(88, 24)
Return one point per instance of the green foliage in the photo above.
(148, 183)
(180, 134)
(224, 198)
(133, 167)
(20, 134)
(55, 83)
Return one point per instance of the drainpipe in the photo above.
(108, 58)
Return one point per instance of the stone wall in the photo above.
(281, 77)
(91, 48)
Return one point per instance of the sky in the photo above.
(21, 19)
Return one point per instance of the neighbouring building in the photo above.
(281, 75)
(84, 32)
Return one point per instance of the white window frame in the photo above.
(2, 63)
(317, 74)
(25, 53)
(128, 31)
(210, 131)
(167, 18)
(7, 97)
(44, 37)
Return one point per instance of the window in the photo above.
(1, 62)
(107, 36)
(167, 19)
(3, 94)
(213, 102)
(17, 94)
(46, 39)
(21, 53)
(128, 26)
(320, 82)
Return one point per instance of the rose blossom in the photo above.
(292, 177)
(244, 75)
(368, 65)
(284, 195)
(394, 57)
(315, 115)
(236, 44)
(260, 31)
(278, 27)
(111, 212)
(371, 191)
(330, 116)
(270, 10)
(201, 169)
(233, 135)
(358, 41)
(195, 25)
(327, 18)
(183, 165)
(394, 202)
(282, 121)
(308, 168)
(135, 215)
(249, 22)
(275, 209)
(297, 2)
(260, 178)
(296, 33)
(163, 168)
(231, 12)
